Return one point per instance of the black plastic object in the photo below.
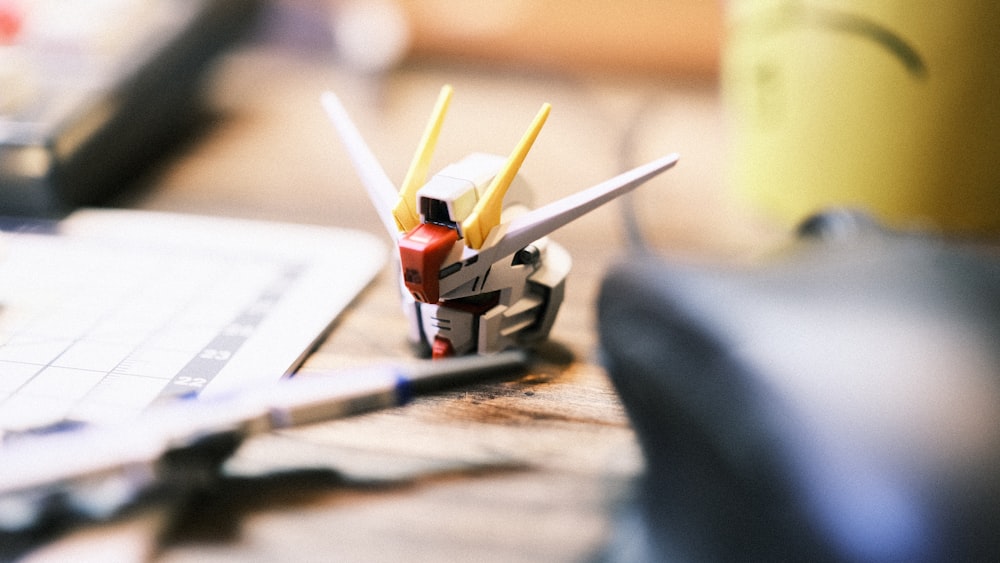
(839, 401)
(103, 109)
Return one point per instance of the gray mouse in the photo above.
(837, 401)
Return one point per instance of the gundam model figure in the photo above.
(478, 273)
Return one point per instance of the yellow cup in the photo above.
(891, 106)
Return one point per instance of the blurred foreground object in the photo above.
(838, 402)
(92, 472)
(887, 106)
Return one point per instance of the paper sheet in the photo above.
(108, 311)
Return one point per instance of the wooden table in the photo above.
(532, 469)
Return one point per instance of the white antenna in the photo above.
(381, 190)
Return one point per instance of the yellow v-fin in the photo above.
(486, 214)
(405, 210)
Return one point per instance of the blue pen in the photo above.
(95, 470)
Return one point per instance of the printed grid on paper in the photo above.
(90, 332)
